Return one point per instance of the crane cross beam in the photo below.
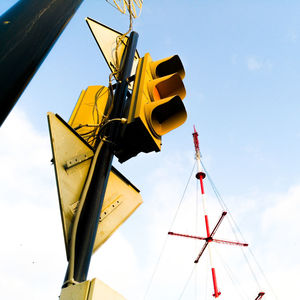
(211, 239)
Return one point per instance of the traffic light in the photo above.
(156, 106)
(90, 111)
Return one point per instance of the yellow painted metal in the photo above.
(167, 66)
(156, 105)
(158, 94)
(72, 158)
(140, 99)
(66, 145)
(79, 291)
(106, 39)
(90, 110)
(99, 290)
(90, 290)
(121, 200)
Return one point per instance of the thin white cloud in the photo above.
(256, 64)
(32, 252)
(115, 263)
(284, 214)
(292, 36)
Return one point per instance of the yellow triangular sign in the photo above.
(106, 39)
(72, 157)
(67, 147)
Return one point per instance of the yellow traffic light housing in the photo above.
(156, 105)
(90, 111)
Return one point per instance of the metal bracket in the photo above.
(104, 213)
(109, 209)
(77, 160)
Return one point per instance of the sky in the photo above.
(242, 64)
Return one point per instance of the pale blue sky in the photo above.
(242, 68)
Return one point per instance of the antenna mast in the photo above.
(200, 176)
(209, 234)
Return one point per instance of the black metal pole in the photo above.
(89, 218)
(28, 30)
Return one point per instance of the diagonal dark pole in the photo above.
(28, 30)
(201, 252)
(260, 295)
(224, 213)
(89, 217)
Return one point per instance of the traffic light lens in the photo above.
(166, 86)
(156, 95)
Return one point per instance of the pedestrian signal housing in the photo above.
(156, 106)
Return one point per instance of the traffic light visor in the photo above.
(165, 115)
(166, 86)
(167, 66)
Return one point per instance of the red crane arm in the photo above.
(230, 243)
(188, 236)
